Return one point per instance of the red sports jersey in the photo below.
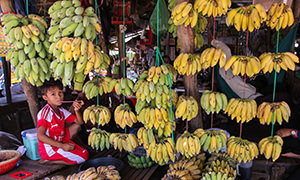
(55, 129)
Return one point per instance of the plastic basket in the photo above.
(103, 161)
(31, 143)
(8, 160)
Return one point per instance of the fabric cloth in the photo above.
(55, 129)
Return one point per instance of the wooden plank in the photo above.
(150, 172)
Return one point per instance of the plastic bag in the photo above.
(8, 141)
(163, 18)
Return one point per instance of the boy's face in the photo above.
(54, 96)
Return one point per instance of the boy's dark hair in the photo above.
(49, 84)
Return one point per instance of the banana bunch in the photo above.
(58, 177)
(187, 167)
(171, 4)
(212, 8)
(124, 86)
(219, 169)
(101, 173)
(159, 74)
(188, 64)
(99, 85)
(199, 160)
(78, 81)
(280, 111)
(161, 152)
(97, 115)
(68, 18)
(285, 61)
(280, 16)
(124, 116)
(271, 147)
(139, 161)
(121, 141)
(213, 102)
(172, 28)
(186, 107)
(223, 157)
(242, 65)
(250, 17)
(184, 13)
(63, 71)
(29, 56)
(212, 140)
(211, 56)
(188, 144)
(243, 110)
(99, 139)
(159, 119)
(198, 41)
(241, 149)
(148, 92)
(82, 51)
(145, 137)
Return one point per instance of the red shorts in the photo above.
(77, 156)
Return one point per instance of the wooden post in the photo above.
(30, 91)
(120, 45)
(7, 80)
(186, 38)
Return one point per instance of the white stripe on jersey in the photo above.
(50, 152)
(71, 156)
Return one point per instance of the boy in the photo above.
(55, 145)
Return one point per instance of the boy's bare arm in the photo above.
(77, 106)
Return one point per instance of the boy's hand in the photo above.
(68, 146)
(77, 105)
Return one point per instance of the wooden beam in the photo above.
(120, 46)
(7, 80)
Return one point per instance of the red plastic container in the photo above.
(8, 160)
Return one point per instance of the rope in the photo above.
(27, 8)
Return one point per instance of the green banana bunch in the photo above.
(99, 139)
(212, 140)
(97, 115)
(139, 161)
(124, 86)
(63, 71)
(99, 85)
(29, 56)
(213, 102)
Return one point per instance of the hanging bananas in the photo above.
(29, 56)
(280, 111)
(120, 141)
(213, 102)
(244, 110)
(97, 115)
(212, 8)
(250, 17)
(101, 85)
(241, 149)
(188, 144)
(272, 61)
(184, 13)
(159, 75)
(124, 116)
(145, 137)
(211, 57)
(212, 140)
(243, 65)
(183, 169)
(186, 108)
(188, 64)
(99, 139)
(280, 16)
(124, 86)
(102, 172)
(161, 152)
(271, 147)
(159, 119)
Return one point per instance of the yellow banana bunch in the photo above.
(219, 169)
(279, 110)
(188, 64)
(145, 137)
(271, 61)
(250, 17)
(121, 141)
(280, 16)
(124, 116)
(211, 57)
(241, 149)
(188, 144)
(101, 85)
(271, 147)
(29, 41)
(184, 14)
(243, 65)
(189, 167)
(99, 139)
(159, 74)
(186, 108)
(213, 102)
(97, 115)
(244, 110)
(124, 86)
(161, 152)
(159, 119)
(212, 8)
(198, 159)
(212, 140)
(102, 172)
